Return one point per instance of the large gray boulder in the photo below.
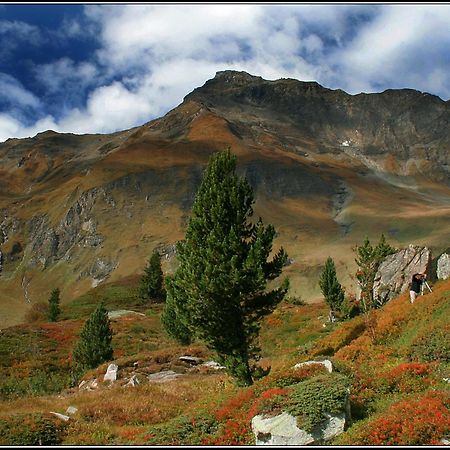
(282, 430)
(443, 267)
(395, 272)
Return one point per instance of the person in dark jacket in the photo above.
(416, 284)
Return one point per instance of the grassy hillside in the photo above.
(394, 361)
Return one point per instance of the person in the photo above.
(416, 284)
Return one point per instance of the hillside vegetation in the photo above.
(394, 360)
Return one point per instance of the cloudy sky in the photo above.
(103, 68)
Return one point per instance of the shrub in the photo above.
(182, 431)
(40, 382)
(408, 422)
(38, 312)
(293, 376)
(31, 429)
(341, 337)
(312, 398)
(432, 344)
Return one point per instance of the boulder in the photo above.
(88, 385)
(326, 363)
(134, 381)
(60, 416)
(213, 365)
(163, 376)
(282, 430)
(443, 267)
(71, 410)
(111, 373)
(395, 272)
(193, 360)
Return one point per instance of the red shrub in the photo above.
(421, 422)
(232, 407)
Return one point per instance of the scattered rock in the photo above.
(88, 385)
(283, 430)
(213, 365)
(134, 381)
(122, 312)
(326, 363)
(445, 441)
(193, 360)
(163, 377)
(443, 267)
(395, 272)
(111, 373)
(71, 410)
(60, 416)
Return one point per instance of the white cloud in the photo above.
(20, 31)
(401, 47)
(11, 127)
(108, 108)
(151, 56)
(57, 75)
(15, 94)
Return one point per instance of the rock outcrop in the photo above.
(395, 272)
(443, 267)
(78, 228)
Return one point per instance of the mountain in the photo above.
(328, 169)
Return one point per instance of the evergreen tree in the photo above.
(368, 260)
(330, 286)
(94, 346)
(53, 306)
(219, 290)
(151, 285)
(173, 320)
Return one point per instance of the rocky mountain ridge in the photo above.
(327, 167)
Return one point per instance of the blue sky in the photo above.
(103, 68)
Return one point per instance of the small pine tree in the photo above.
(53, 306)
(219, 290)
(368, 260)
(94, 346)
(151, 285)
(330, 286)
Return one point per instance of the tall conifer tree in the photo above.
(218, 292)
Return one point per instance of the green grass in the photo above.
(113, 297)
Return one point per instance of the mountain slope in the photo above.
(328, 169)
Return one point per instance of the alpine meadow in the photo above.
(266, 261)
